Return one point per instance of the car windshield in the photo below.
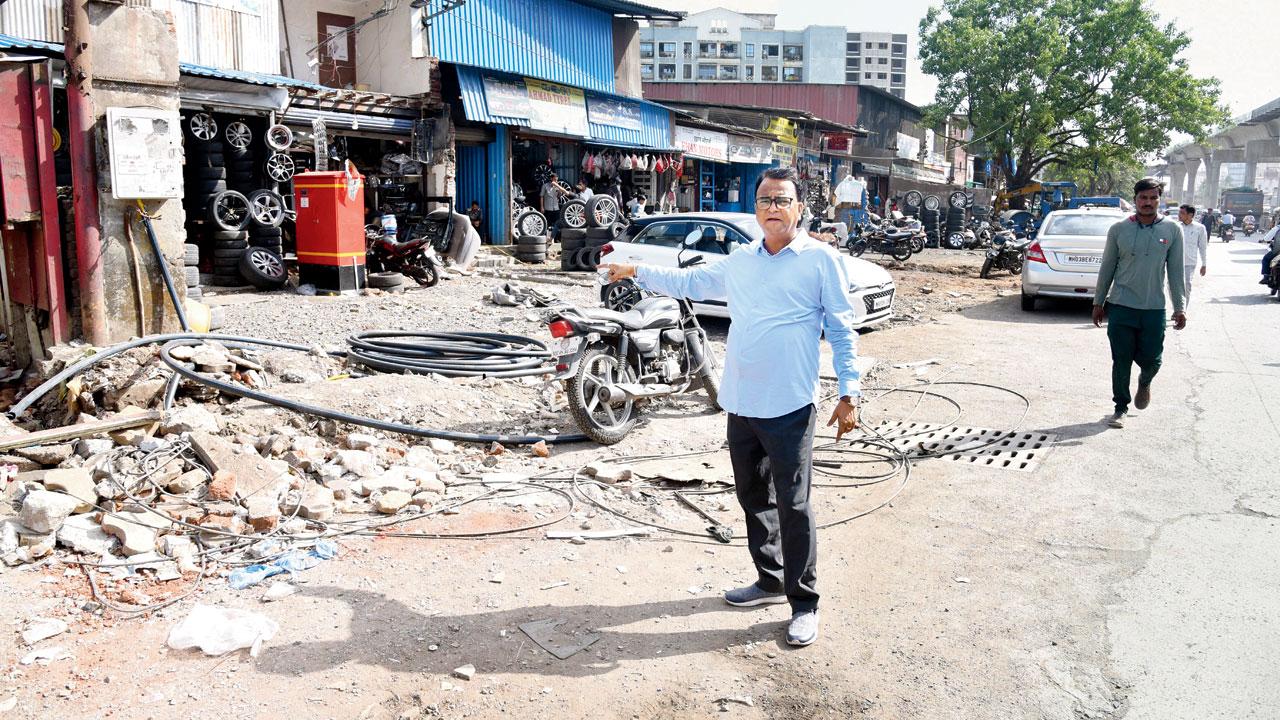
(1079, 224)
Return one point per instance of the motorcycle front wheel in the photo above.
(701, 358)
(606, 423)
(901, 251)
(858, 248)
(985, 272)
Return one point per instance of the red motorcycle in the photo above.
(418, 256)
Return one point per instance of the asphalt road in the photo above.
(1135, 573)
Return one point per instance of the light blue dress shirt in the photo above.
(779, 306)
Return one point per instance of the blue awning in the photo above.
(653, 133)
(244, 76)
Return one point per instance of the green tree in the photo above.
(1064, 83)
(1107, 176)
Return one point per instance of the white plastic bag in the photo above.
(218, 631)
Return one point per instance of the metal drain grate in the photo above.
(969, 445)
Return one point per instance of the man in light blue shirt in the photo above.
(783, 292)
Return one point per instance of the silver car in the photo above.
(1064, 259)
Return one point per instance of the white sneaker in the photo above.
(1117, 420)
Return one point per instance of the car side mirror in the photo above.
(692, 238)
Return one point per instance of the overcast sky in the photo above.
(1237, 41)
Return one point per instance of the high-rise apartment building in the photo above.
(721, 45)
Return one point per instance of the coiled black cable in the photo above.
(452, 354)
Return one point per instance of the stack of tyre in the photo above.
(957, 216)
(205, 177)
(531, 249)
(931, 218)
(191, 270)
(586, 228)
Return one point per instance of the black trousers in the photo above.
(772, 469)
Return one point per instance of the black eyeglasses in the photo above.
(780, 202)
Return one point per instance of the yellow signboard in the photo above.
(783, 129)
(557, 108)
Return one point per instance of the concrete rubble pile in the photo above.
(190, 494)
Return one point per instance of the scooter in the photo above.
(612, 362)
(1227, 232)
(1249, 228)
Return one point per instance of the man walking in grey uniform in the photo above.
(1195, 247)
(1140, 253)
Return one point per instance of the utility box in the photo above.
(330, 229)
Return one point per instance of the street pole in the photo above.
(84, 174)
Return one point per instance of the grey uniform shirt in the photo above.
(1136, 261)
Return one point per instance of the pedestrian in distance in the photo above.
(784, 292)
(1195, 247)
(1140, 253)
(1210, 221)
(549, 199)
(584, 190)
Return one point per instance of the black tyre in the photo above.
(573, 214)
(582, 259)
(200, 188)
(592, 257)
(230, 252)
(602, 211)
(207, 173)
(227, 280)
(204, 160)
(1028, 302)
(531, 244)
(901, 251)
(229, 210)
(985, 272)
(913, 199)
(532, 258)
(700, 357)
(266, 208)
(228, 235)
(604, 234)
(955, 241)
(572, 234)
(568, 244)
(1015, 267)
(261, 232)
(620, 296)
(958, 199)
(606, 423)
(531, 222)
(191, 275)
(263, 269)
(384, 280)
(190, 254)
(858, 247)
(426, 275)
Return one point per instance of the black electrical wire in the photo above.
(176, 339)
(452, 354)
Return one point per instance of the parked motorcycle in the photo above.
(975, 235)
(418, 255)
(898, 243)
(1008, 252)
(611, 362)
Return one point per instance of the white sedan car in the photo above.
(871, 289)
(1064, 259)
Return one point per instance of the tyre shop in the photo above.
(247, 135)
(514, 131)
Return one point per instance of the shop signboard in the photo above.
(837, 143)
(506, 98)
(784, 153)
(874, 169)
(615, 113)
(703, 144)
(908, 146)
(783, 129)
(744, 149)
(557, 108)
(921, 174)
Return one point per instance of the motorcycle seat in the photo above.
(648, 314)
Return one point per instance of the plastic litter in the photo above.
(218, 631)
(289, 562)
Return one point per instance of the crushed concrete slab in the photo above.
(254, 473)
(76, 482)
(47, 454)
(135, 530)
(43, 511)
(190, 419)
(82, 533)
(42, 629)
(186, 482)
(390, 503)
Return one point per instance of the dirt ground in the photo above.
(381, 630)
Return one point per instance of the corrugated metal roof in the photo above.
(555, 40)
(354, 121)
(252, 78)
(655, 132)
(630, 9)
(9, 42)
(836, 103)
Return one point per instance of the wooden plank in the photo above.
(83, 430)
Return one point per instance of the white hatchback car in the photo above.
(1064, 259)
(871, 288)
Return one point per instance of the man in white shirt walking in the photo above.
(1195, 246)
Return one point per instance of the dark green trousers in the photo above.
(1137, 336)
